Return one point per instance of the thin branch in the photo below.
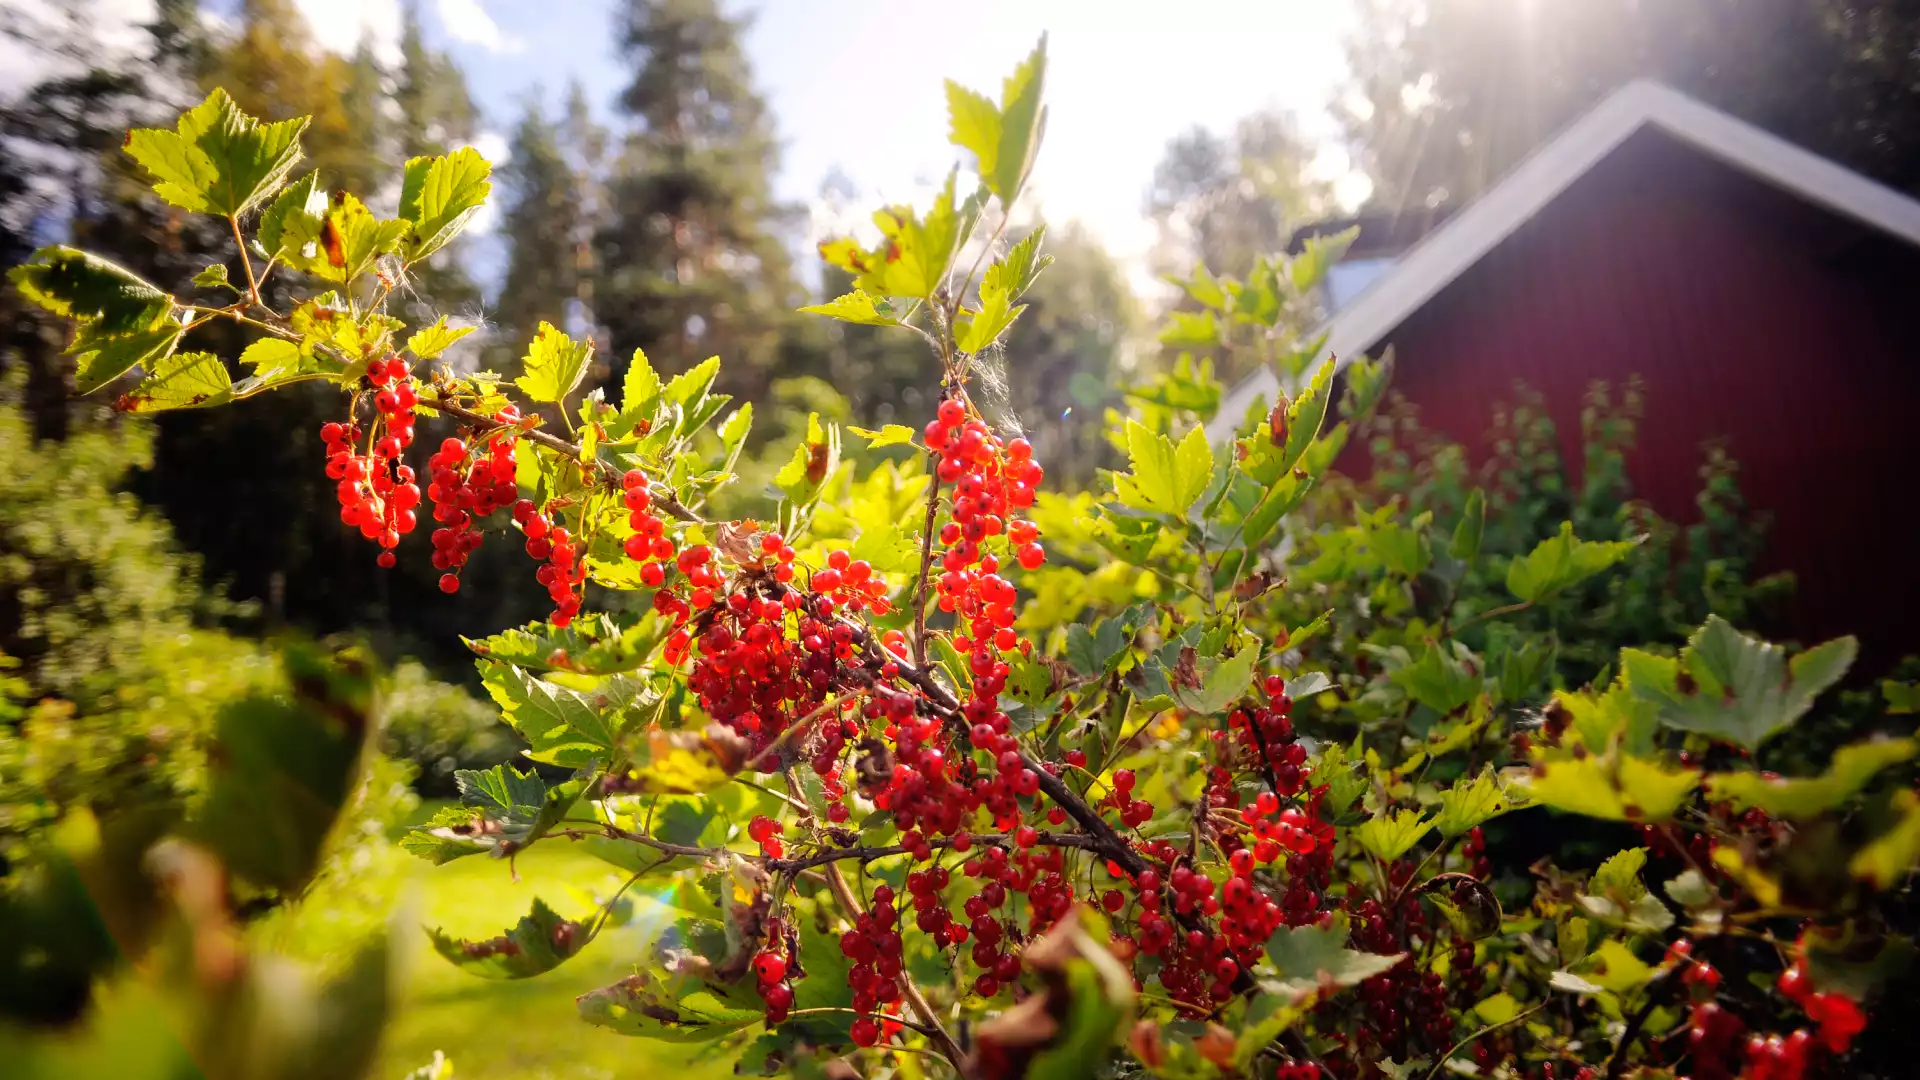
(868, 854)
(1514, 1019)
(246, 262)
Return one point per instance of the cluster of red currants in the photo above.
(750, 671)
(465, 487)
(876, 952)
(770, 978)
(565, 572)
(377, 495)
(1713, 1033)
(1266, 738)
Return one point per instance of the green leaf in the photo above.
(1468, 804)
(689, 387)
(1848, 773)
(554, 365)
(1635, 789)
(1691, 891)
(1465, 545)
(1224, 683)
(1093, 652)
(284, 766)
(590, 645)
(1164, 477)
(1498, 1009)
(1619, 875)
(1391, 834)
(1003, 138)
(1889, 858)
(813, 462)
(213, 277)
(1744, 689)
(124, 319)
(639, 387)
(218, 160)
(1190, 330)
(1902, 698)
(1015, 272)
(890, 435)
(857, 306)
(501, 811)
(1563, 561)
(1437, 681)
(1614, 967)
(182, 381)
(563, 726)
(538, 943)
(434, 340)
(648, 1007)
(270, 357)
(439, 196)
(973, 123)
(289, 228)
(685, 762)
(1308, 957)
(733, 431)
(976, 332)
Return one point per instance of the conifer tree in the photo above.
(690, 261)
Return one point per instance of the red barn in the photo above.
(1767, 298)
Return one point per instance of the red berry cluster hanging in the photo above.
(465, 487)
(565, 571)
(770, 976)
(877, 953)
(377, 493)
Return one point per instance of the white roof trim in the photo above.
(1449, 251)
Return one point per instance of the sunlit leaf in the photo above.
(434, 340)
(538, 943)
(218, 160)
(1851, 769)
(1392, 833)
(1562, 561)
(554, 364)
(439, 195)
(856, 307)
(1742, 690)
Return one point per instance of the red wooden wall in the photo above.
(1751, 318)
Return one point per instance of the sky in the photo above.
(856, 86)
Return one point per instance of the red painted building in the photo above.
(1767, 299)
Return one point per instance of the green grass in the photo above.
(525, 1029)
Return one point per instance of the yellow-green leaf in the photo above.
(183, 381)
(890, 435)
(1562, 561)
(434, 340)
(1391, 834)
(218, 160)
(857, 306)
(554, 364)
(1849, 772)
(439, 195)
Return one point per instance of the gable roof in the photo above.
(1453, 248)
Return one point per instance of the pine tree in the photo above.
(435, 114)
(690, 261)
(549, 194)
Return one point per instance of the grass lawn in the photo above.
(524, 1029)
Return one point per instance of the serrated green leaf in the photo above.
(1224, 683)
(1190, 330)
(591, 645)
(124, 320)
(642, 1005)
(218, 160)
(684, 762)
(270, 357)
(1619, 876)
(439, 195)
(213, 277)
(733, 432)
(1391, 834)
(976, 332)
(1850, 770)
(563, 726)
(289, 228)
(540, 942)
(182, 381)
(554, 364)
(973, 123)
(1468, 804)
(1014, 273)
(1022, 119)
(1745, 690)
(1437, 680)
(1307, 957)
(1562, 561)
(434, 340)
(1162, 477)
(857, 306)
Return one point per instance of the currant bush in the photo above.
(934, 759)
